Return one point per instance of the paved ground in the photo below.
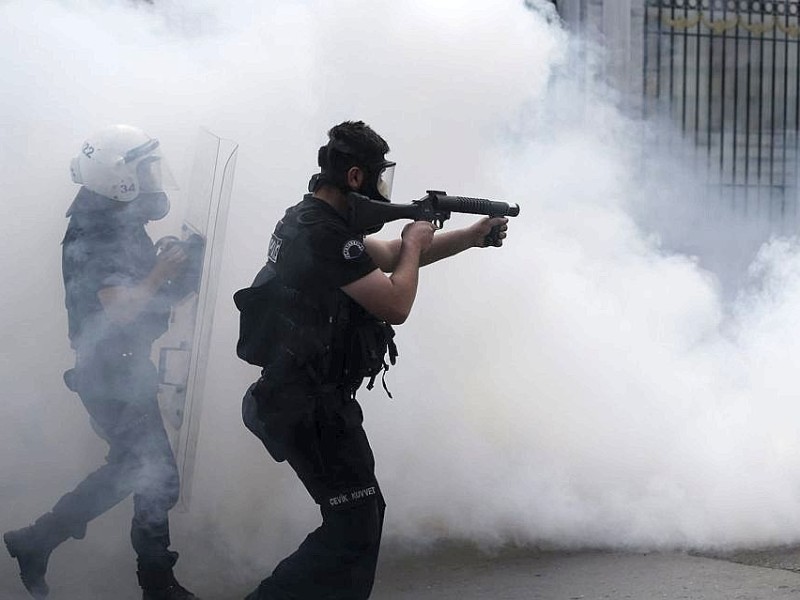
(519, 574)
(458, 573)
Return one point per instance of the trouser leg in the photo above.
(331, 455)
(140, 461)
(336, 561)
(95, 495)
(157, 491)
(129, 425)
(121, 398)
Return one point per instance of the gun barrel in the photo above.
(476, 206)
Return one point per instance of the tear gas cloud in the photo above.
(586, 385)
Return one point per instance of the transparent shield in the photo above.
(182, 352)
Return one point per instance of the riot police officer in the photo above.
(119, 287)
(330, 296)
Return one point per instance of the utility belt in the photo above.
(118, 344)
(121, 371)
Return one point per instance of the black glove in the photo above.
(188, 281)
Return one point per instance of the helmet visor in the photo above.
(386, 180)
(154, 175)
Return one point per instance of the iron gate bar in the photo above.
(747, 124)
(797, 90)
(784, 133)
(698, 45)
(645, 63)
(710, 99)
(658, 57)
(772, 118)
(787, 13)
(685, 69)
(734, 151)
(796, 95)
(722, 92)
(760, 120)
(672, 66)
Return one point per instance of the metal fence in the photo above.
(726, 72)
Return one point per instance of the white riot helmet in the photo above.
(120, 162)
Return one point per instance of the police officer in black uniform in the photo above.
(325, 326)
(119, 288)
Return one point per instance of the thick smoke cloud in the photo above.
(583, 386)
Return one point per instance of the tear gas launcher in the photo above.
(370, 215)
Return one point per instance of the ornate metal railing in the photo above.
(728, 73)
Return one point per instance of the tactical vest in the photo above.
(316, 332)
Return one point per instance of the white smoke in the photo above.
(582, 386)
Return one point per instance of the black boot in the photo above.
(162, 585)
(31, 546)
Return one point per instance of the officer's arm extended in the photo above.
(386, 253)
(391, 298)
(123, 303)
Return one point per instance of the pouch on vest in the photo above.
(276, 325)
(371, 340)
(258, 317)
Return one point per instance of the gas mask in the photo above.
(336, 158)
(378, 185)
(152, 206)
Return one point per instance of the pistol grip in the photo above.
(493, 237)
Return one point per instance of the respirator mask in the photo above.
(336, 158)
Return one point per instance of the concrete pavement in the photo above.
(454, 572)
(526, 575)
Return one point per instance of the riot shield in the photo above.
(182, 352)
